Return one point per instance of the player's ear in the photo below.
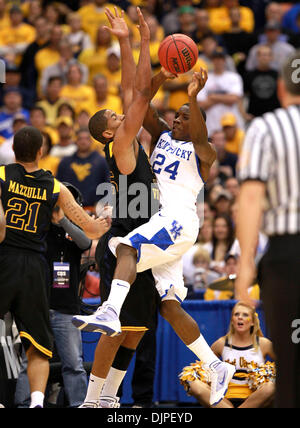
(107, 134)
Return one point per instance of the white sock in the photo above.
(94, 388)
(37, 399)
(113, 382)
(203, 351)
(118, 292)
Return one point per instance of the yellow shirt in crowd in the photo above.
(178, 98)
(220, 21)
(77, 95)
(235, 145)
(93, 17)
(95, 60)
(112, 102)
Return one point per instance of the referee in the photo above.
(270, 174)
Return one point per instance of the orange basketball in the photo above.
(178, 53)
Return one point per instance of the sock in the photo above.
(37, 399)
(203, 351)
(118, 292)
(94, 388)
(113, 382)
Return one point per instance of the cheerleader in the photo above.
(244, 346)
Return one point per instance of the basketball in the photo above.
(178, 53)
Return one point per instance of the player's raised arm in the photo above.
(135, 114)
(93, 229)
(198, 130)
(2, 221)
(119, 28)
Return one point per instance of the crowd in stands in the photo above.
(62, 65)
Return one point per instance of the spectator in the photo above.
(208, 47)
(222, 203)
(95, 57)
(27, 66)
(12, 100)
(232, 186)
(61, 68)
(7, 154)
(220, 19)
(13, 80)
(222, 288)
(33, 11)
(38, 119)
(187, 20)
(15, 38)
(274, 14)
(234, 136)
(202, 276)
(221, 94)
(65, 146)
(170, 21)
(261, 84)
(237, 41)
(66, 109)
(112, 69)
(85, 169)
(202, 25)
(48, 162)
(76, 92)
(280, 49)
(49, 55)
(52, 100)
(223, 238)
(102, 99)
(227, 161)
(246, 348)
(78, 39)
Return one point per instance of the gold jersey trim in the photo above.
(35, 344)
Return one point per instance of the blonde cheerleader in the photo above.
(244, 346)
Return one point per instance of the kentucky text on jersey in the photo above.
(27, 192)
(183, 154)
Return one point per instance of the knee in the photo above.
(126, 251)
(268, 390)
(169, 309)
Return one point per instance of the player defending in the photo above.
(181, 159)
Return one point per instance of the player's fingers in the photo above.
(116, 12)
(109, 14)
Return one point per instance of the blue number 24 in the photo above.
(171, 169)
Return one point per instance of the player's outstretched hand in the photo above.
(103, 226)
(143, 26)
(118, 25)
(198, 82)
(168, 74)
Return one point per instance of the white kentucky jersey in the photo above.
(177, 169)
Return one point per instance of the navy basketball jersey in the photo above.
(136, 194)
(28, 200)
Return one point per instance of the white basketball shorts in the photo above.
(160, 245)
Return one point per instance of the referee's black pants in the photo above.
(279, 277)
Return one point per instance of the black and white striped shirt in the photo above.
(271, 153)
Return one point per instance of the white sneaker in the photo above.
(92, 404)
(220, 374)
(105, 320)
(109, 402)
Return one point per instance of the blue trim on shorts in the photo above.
(161, 239)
